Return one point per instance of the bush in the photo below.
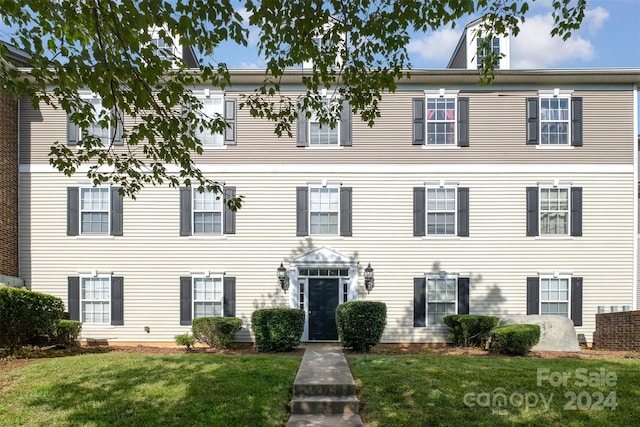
(25, 314)
(216, 332)
(186, 340)
(361, 323)
(470, 330)
(67, 332)
(277, 329)
(514, 339)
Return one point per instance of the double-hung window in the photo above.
(164, 49)
(312, 133)
(207, 212)
(442, 297)
(556, 295)
(323, 134)
(441, 119)
(94, 210)
(100, 115)
(554, 119)
(554, 210)
(104, 124)
(212, 108)
(441, 211)
(207, 297)
(95, 297)
(324, 210)
(482, 51)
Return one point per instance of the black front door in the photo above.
(323, 300)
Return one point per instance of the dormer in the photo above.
(319, 39)
(169, 47)
(468, 53)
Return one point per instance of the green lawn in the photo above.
(436, 390)
(150, 390)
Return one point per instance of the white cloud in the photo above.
(534, 47)
(254, 32)
(437, 46)
(594, 19)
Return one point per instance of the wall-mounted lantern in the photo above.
(283, 278)
(368, 278)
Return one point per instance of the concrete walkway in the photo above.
(324, 392)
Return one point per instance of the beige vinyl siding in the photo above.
(151, 256)
(497, 123)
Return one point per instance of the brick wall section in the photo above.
(8, 185)
(617, 331)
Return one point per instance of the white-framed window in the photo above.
(96, 129)
(442, 298)
(555, 116)
(165, 51)
(207, 212)
(482, 53)
(212, 107)
(554, 211)
(441, 211)
(554, 296)
(322, 134)
(207, 296)
(95, 299)
(441, 116)
(324, 210)
(94, 210)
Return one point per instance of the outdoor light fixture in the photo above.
(283, 278)
(368, 278)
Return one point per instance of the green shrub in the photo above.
(277, 329)
(470, 330)
(514, 339)
(186, 340)
(216, 332)
(361, 324)
(67, 332)
(25, 314)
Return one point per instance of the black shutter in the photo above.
(463, 295)
(532, 211)
(117, 301)
(185, 300)
(185, 211)
(345, 124)
(302, 211)
(419, 211)
(418, 121)
(533, 295)
(302, 129)
(576, 211)
(532, 121)
(229, 297)
(576, 300)
(73, 132)
(230, 119)
(576, 122)
(117, 134)
(73, 297)
(73, 211)
(345, 211)
(463, 212)
(463, 122)
(116, 212)
(419, 301)
(229, 215)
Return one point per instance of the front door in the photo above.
(323, 300)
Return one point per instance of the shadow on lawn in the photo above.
(201, 390)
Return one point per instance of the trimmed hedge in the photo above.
(277, 329)
(26, 314)
(361, 324)
(514, 339)
(470, 330)
(216, 332)
(67, 332)
(186, 340)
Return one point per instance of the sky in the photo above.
(608, 38)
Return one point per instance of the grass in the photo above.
(149, 390)
(430, 390)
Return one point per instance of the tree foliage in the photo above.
(358, 49)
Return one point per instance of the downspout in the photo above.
(18, 189)
(634, 303)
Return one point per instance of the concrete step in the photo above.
(346, 388)
(325, 404)
(325, 420)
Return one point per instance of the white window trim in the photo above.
(438, 276)
(82, 300)
(88, 96)
(554, 276)
(193, 212)
(80, 211)
(455, 120)
(206, 275)
(455, 212)
(315, 187)
(555, 94)
(554, 236)
(313, 119)
(207, 93)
